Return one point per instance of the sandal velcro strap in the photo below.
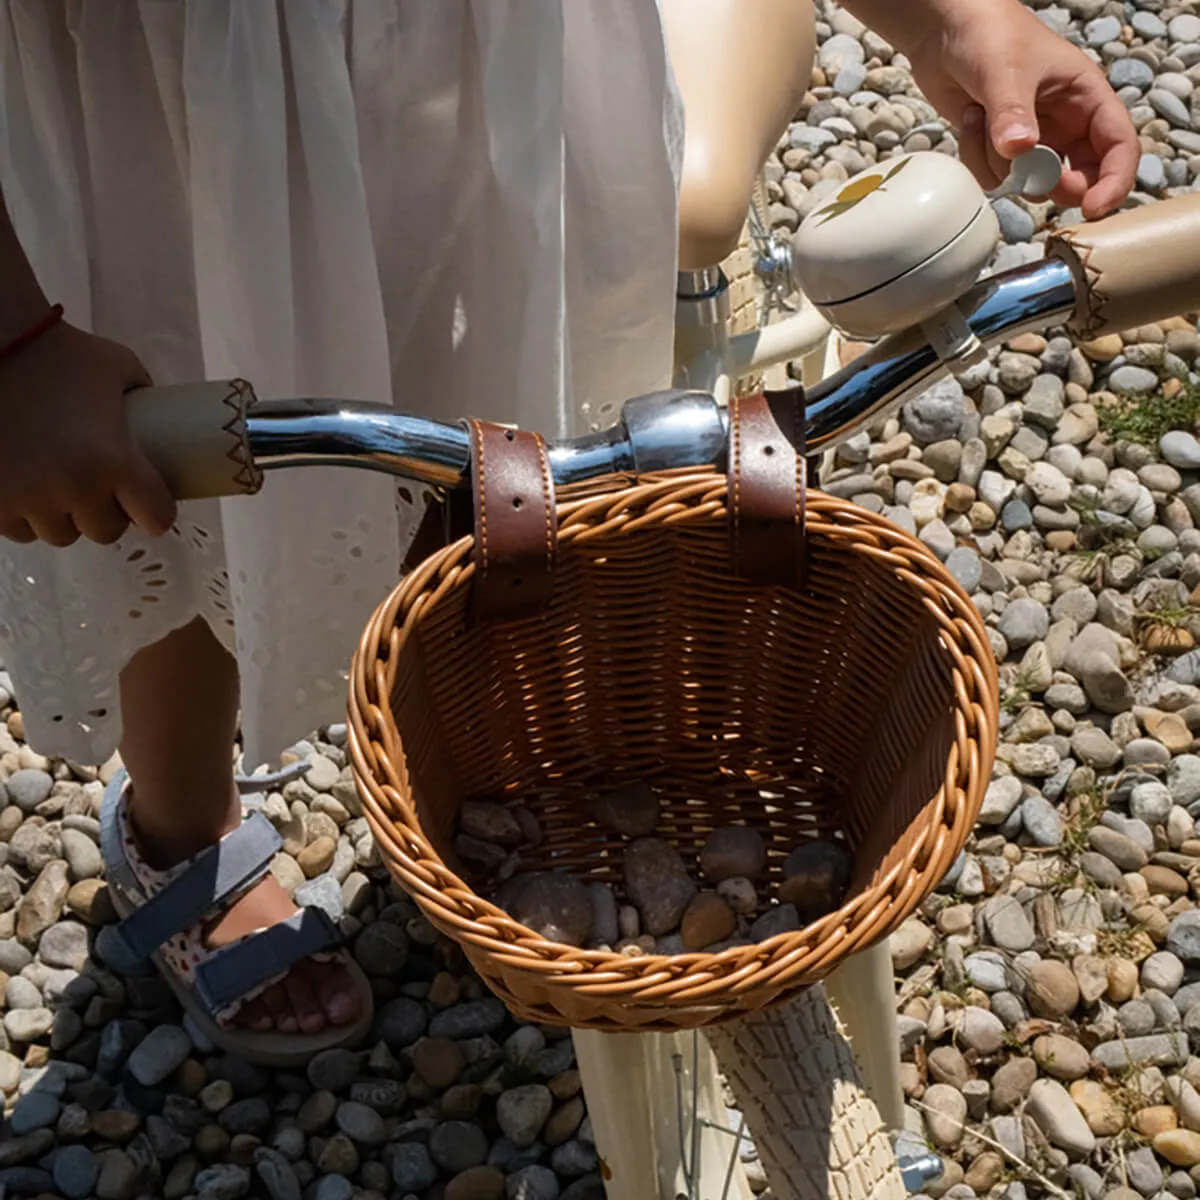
(217, 875)
(254, 962)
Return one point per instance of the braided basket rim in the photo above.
(739, 976)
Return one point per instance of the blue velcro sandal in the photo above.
(163, 914)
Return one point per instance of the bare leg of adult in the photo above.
(179, 703)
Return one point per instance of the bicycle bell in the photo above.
(896, 245)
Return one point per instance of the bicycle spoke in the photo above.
(733, 1157)
(692, 1126)
(684, 1158)
(696, 1125)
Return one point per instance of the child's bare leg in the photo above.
(179, 701)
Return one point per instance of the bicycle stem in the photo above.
(665, 430)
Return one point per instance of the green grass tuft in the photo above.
(1146, 417)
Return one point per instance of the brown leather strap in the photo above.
(766, 487)
(516, 527)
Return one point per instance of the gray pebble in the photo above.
(1024, 622)
(1042, 821)
(1130, 72)
(1015, 516)
(508, 1157)
(1143, 1171)
(849, 79)
(936, 414)
(22, 993)
(964, 564)
(1187, 998)
(457, 1145)
(28, 1024)
(1169, 106)
(323, 892)
(605, 926)
(1183, 778)
(1136, 1018)
(75, 1171)
(1180, 449)
(34, 1110)
(1151, 173)
(1157, 1049)
(1102, 30)
(1150, 802)
(1181, 1184)
(333, 1187)
(1008, 925)
(412, 1168)
(382, 947)
(159, 1053)
(401, 1022)
(27, 788)
(573, 1158)
(1122, 850)
(14, 957)
(590, 1187)
(64, 944)
(473, 1019)
(658, 883)
(522, 1111)
(1001, 798)
(251, 1115)
(1183, 936)
(361, 1123)
(1147, 24)
(1016, 225)
(333, 1070)
(980, 1030)
(222, 1181)
(1129, 380)
(534, 1182)
(783, 918)
(987, 971)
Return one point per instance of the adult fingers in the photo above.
(1115, 145)
(973, 147)
(1009, 98)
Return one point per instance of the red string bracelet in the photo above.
(32, 334)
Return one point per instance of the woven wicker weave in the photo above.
(864, 707)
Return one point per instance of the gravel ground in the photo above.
(1049, 992)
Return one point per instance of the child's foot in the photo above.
(314, 994)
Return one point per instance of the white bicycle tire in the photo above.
(795, 1078)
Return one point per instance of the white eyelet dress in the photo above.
(456, 207)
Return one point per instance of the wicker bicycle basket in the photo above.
(859, 705)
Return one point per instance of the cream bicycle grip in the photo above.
(195, 436)
(1134, 268)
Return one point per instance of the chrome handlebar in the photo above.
(667, 429)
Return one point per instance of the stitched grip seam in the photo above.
(735, 450)
(247, 474)
(798, 540)
(547, 499)
(477, 428)
(1092, 317)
